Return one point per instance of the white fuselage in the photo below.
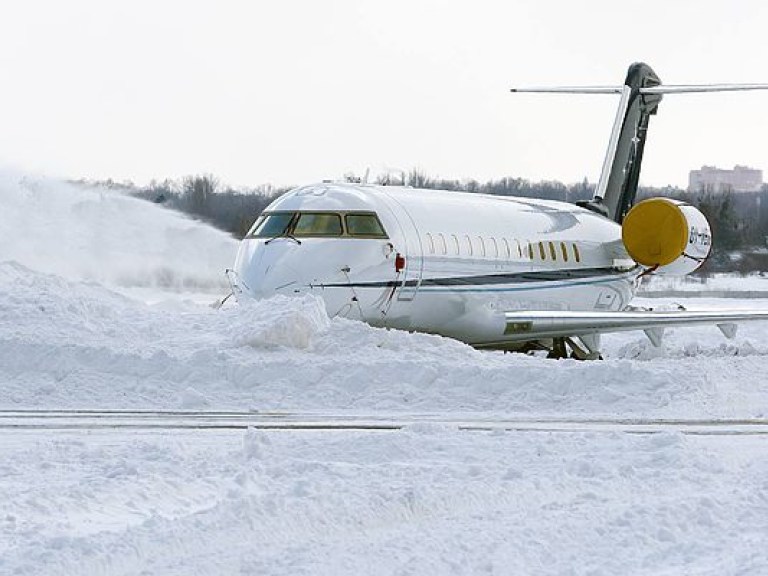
(451, 263)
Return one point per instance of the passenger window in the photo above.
(519, 249)
(530, 251)
(443, 246)
(552, 251)
(564, 250)
(576, 254)
(481, 246)
(456, 242)
(364, 225)
(495, 247)
(506, 248)
(430, 243)
(542, 253)
(469, 245)
(317, 224)
(271, 225)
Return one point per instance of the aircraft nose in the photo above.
(267, 270)
(273, 280)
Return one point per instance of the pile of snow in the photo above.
(292, 323)
(108, 237)
(76, 344)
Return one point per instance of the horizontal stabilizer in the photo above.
(668, 89)
(573, 90)
(661, 89)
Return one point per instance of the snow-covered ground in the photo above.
(417, 501)
(103, 305)
(724, 285)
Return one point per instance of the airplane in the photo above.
(496, 272)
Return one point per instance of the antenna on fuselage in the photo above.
(640, 96)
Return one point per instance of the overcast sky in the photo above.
(295, 91)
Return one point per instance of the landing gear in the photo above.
(561, 346)
(584, 347)
(558, 349)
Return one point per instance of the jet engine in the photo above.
(672, 237)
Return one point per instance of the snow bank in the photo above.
(77, 344)
(105, 236)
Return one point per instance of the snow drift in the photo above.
(74, 344)
(108, 237)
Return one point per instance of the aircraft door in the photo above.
(409, 250)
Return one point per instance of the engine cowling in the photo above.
(671, 236)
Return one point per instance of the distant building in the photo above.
(711, 179)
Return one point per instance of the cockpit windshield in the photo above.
(271, 225)
(365, 225)
(317, 225)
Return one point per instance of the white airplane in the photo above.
(492, 271)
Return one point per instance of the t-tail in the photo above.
(640, 94)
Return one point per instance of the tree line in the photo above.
(203, 197)
(738, 220)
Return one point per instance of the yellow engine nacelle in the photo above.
(671, 236)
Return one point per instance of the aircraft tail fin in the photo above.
(640, 96)
(617, 187)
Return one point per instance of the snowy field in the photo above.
(720, 285)
(104, 305)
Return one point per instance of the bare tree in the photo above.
(197, 192)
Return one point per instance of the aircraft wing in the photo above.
(530, 325)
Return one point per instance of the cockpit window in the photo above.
(255, 226)
(366, 225)
(318, 224)
(271, 225)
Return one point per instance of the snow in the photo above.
(408, 502)
(721, 285)
(111, 312)
(104, 236)
(62, 340)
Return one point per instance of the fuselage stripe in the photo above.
(567, 277)
(548, 286)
